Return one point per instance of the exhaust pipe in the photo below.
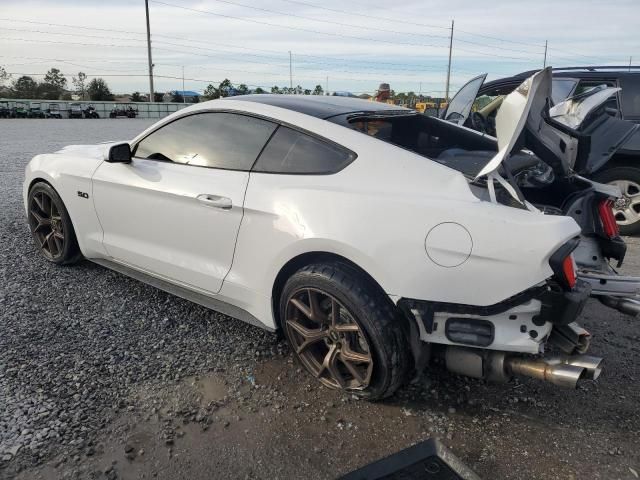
(562, 375)
(628, 306)
(592, 365)
(563, 371)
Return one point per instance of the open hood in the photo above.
(525, 102)
(576, 135)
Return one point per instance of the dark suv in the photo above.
(623, 168)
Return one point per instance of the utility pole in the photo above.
(151, 91)
(290, 72)
(446, 95)
(630, 58)
(326, 92)
(544, 64)
(183, 99)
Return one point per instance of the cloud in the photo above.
(405, 45)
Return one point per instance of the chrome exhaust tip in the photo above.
(560, 374)
(592, 365)
(628, 306)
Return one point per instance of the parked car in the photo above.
(75, 110)
(35, 111)
(54, 111)
(20, 110)
(5, 111)
(326, 218)
(90, 112)
(124, 111)
(621, 169)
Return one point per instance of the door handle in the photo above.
(215, 201)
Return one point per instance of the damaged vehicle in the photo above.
(564, 136)
(334, 221)
(619, 167)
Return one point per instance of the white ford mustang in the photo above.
(326, 218)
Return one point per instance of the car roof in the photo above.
(320, 106)
(571, 72)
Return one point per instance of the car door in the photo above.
(175, 210)
(460, 105)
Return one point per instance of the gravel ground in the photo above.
(104, 377)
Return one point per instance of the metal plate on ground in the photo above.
(428, 460)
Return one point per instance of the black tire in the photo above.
(61, 251)
(617, 174)
(370, 309)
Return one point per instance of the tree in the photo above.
(99, 90)
(80, 83)
(158, 97)
(225, 87)
(24, 87)
(318, 90)
(242, 89)
(53, 85)
(136, 97)
(177, 98)
(56, 79)
(211, 92)
(259, 90)
(307, 91)
(276, 90)
(4, 75)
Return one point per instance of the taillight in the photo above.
(569, 271)
(605, 210)
(563, 265)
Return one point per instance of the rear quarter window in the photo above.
(293, 152)
(630, 96)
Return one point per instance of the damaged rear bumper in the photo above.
(495, 342)
(521, 323)
(620, 292)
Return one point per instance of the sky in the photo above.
(343, 44)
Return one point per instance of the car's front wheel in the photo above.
(627, 208)
(51, 225)
(344, 331)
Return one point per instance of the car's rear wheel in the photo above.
(627, 208)
(344, 331)
(51, 225)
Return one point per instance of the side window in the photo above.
(561, 88)
(611, 105)
(630, 96)
(290, 151)
(216, 140)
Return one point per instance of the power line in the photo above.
(332, 34)
(331, 22)
(161, 42)
(290, 27)
(377, 62)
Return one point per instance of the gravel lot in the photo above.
(104, 377)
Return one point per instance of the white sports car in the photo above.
(326, 218)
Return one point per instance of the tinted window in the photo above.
(630, 96)
(290, 151)
(561, 88)
(218, 140)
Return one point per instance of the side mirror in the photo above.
(120, 153)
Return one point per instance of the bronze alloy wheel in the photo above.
(327, 339)
(47, 226)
